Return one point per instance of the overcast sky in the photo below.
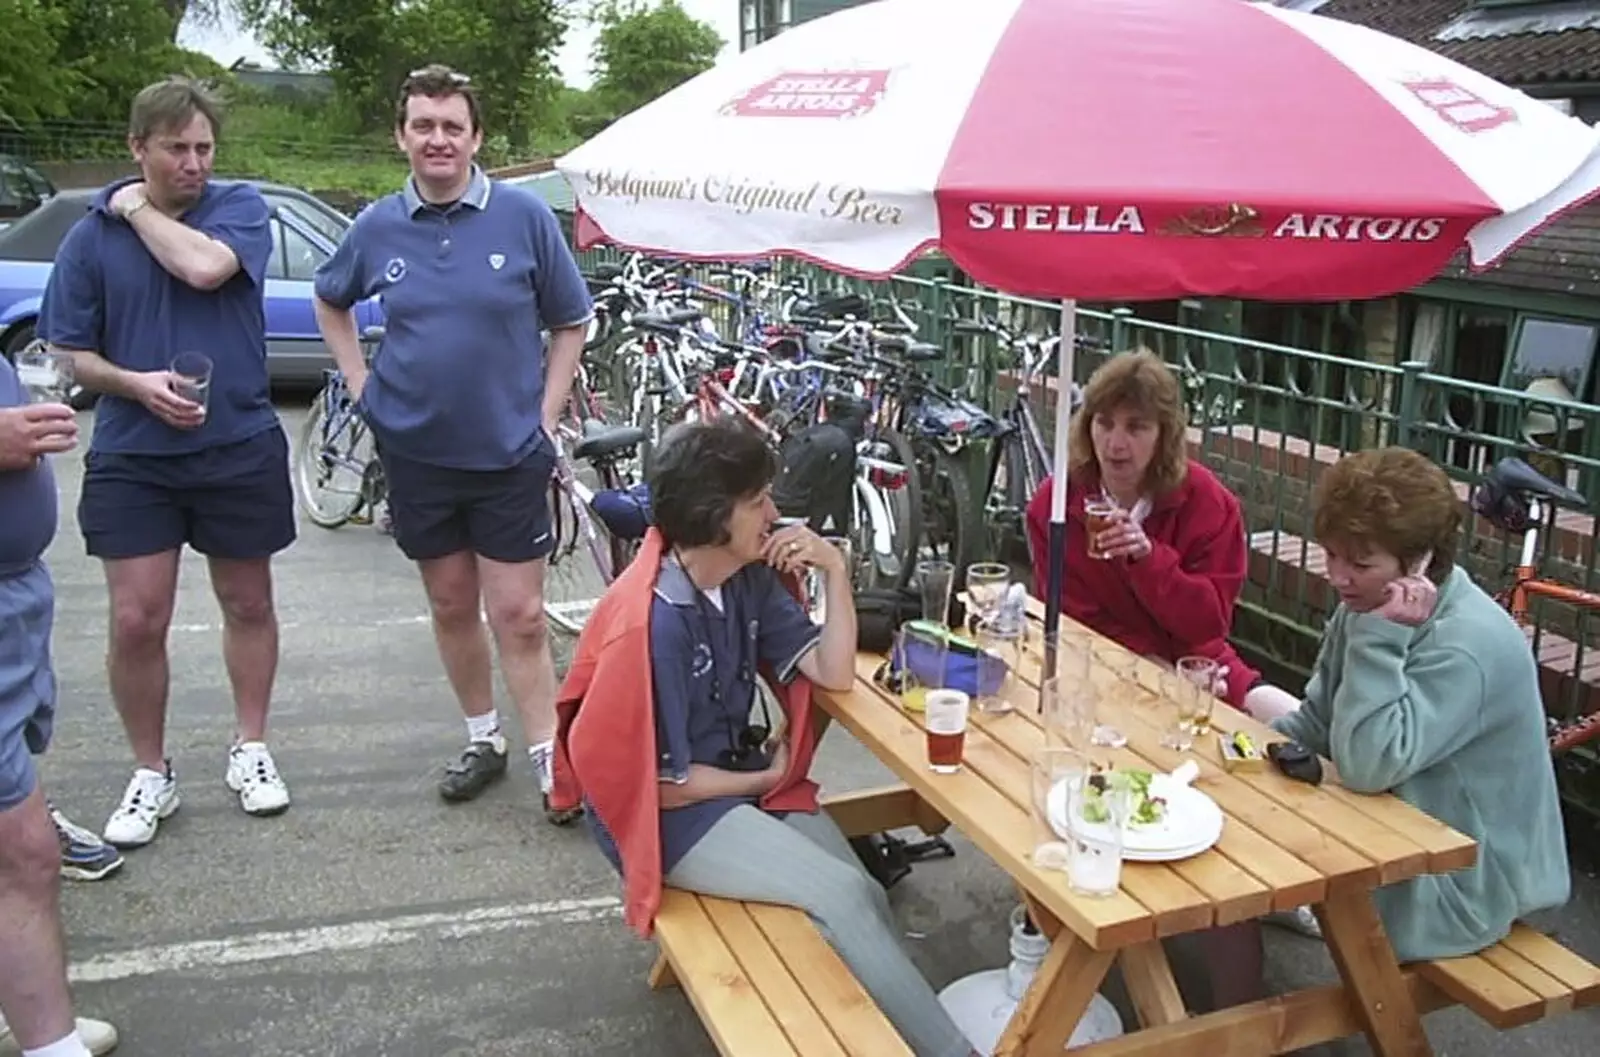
(229, 45)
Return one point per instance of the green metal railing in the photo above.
(1265, 413)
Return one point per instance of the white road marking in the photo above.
(351, 936)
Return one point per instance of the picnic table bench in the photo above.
(762, 978)
(766, 984)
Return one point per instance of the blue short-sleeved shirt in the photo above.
(466, 288)
(698, 641)
(27, 497)
(109, 295)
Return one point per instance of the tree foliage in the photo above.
(507, 47)
(84, 59)
(644, 50)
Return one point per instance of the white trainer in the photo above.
(150, 797)
(1301, 919)
(97, 1035)
(253, 775)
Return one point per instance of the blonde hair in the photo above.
(1142, 382)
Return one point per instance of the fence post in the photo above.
(1119, 328)
(1410, 401)
(933, 311)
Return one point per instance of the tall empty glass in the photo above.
(1116, 687)
(1094, 861)
(986, 588)
(191, 377)
(1068, 709)
(1053, 770)
(47, 373)
(1181, 697)
(920, 657)
(937, 580)
(999, 656)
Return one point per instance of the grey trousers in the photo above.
(805, 862)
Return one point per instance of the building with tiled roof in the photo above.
(1537, 314)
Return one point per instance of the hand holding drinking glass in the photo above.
(47, 373)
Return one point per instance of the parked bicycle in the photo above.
(1519, 500)
(338, 475)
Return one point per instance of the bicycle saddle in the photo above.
(913, 351)
(834, 308)
(1516, 475)
(600, 440)
(1501, 497)
(668, 322)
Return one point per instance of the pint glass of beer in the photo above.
(946, 723)
(1099, 514)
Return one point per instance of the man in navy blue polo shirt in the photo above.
(461, 396)
(165, 265)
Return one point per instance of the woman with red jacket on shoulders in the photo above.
(1175, 556)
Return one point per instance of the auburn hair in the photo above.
(1393, 499)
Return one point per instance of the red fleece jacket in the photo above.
(605, 748)
(1176, 602)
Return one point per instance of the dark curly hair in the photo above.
(1390, 498)
(700, 472)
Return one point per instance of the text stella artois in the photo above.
(1105, 219)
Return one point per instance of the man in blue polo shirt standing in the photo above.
(164, 268)
(461, 396)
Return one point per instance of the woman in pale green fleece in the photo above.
(1425, 688)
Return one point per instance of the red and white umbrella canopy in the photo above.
(1091, 149)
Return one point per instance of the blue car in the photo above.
(304, 233)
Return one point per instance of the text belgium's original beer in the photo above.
(945, 720)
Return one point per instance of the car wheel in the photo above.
(81, 399)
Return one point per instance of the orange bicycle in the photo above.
(1518, 499)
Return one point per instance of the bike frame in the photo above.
(1526, 582)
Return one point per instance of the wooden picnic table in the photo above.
(1284, 844)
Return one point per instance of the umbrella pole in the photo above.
(1058, 492)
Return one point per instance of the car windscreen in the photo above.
(36, 236)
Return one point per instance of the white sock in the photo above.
(71, 1046)
(544, 748)
(485, 727)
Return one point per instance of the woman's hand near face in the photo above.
(1409, 600)
(795, 548)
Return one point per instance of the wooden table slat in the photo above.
(985, 815)
(1443, 849)
(1232, 891)
(1394, 856)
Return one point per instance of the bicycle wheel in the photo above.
(949, 513)
(901, 508)
(330, 470)
(583, 563)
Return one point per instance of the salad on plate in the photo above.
(1144, 807)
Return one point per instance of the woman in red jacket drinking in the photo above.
(1162, 577)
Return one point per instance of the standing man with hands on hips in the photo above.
(462, 398)
(165, 266)
(35, 1003)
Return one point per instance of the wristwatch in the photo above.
(139, 202)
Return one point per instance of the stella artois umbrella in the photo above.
(1090, 150)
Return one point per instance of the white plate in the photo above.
(1192, 824)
